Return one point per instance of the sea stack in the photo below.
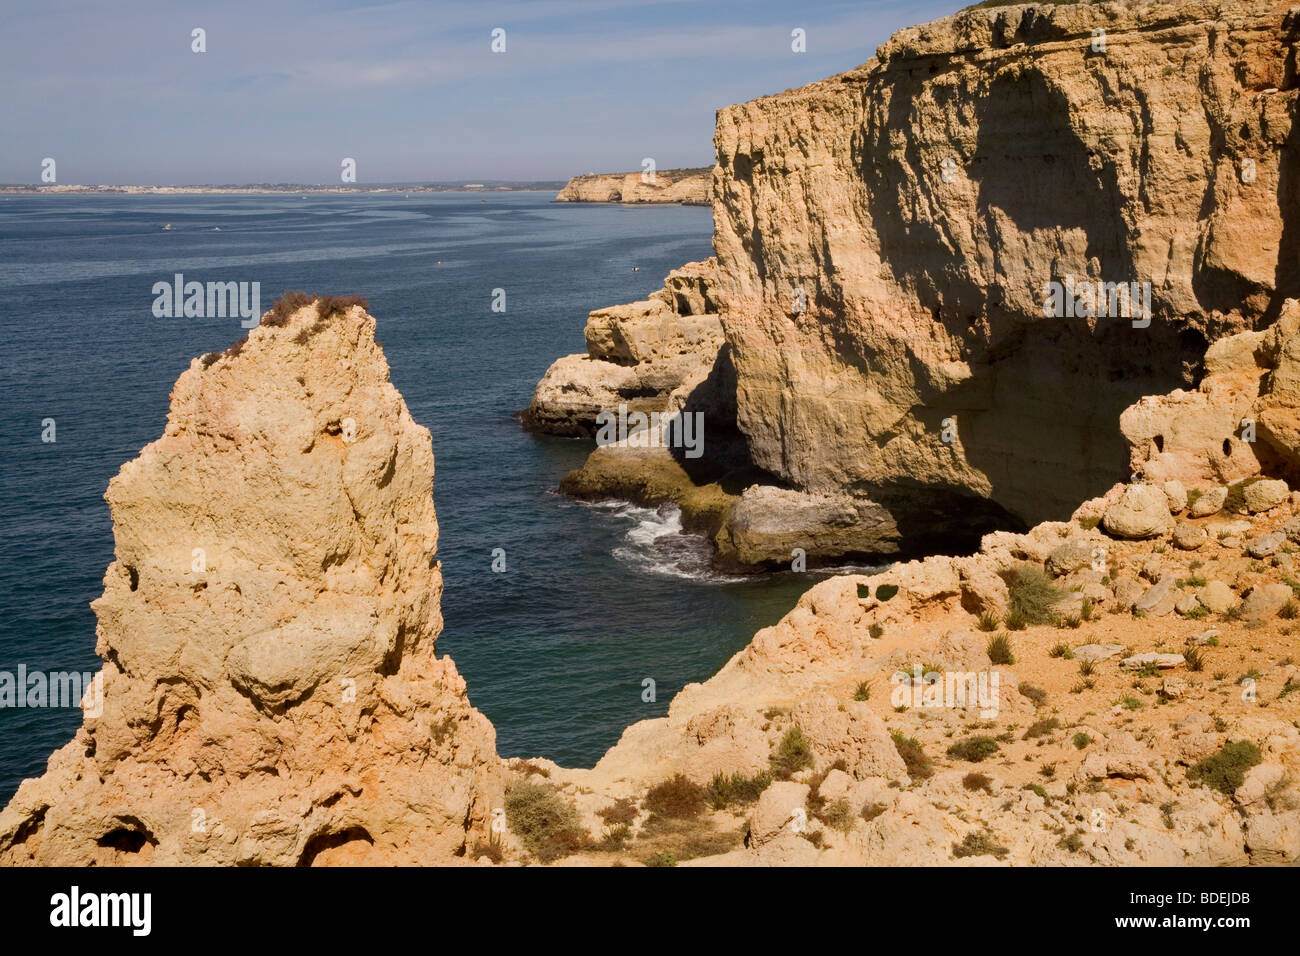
(271, 693)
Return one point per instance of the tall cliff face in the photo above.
(885, 238)
(270, 689)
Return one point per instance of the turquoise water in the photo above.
(594, 599)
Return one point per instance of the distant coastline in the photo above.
(42, 189)
(687, 187)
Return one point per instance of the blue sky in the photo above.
(411, 90)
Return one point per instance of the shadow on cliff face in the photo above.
(1040, 415)
(1286, 279)
(726, 457)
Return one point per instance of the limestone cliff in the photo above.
(270, 689)
(885, 238)
(686, 186)
(888, 241)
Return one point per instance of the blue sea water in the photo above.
(595, 598)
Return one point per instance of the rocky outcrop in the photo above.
(1238, 423)
(270, 689)
(637, 356)
(686, 186)
(1073, 766)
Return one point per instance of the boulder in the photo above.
(1217, 596)
(1141, 512)
(1266, 545)
(1176, 495)
(1163, 661)
(782, 806)
(1068, 557)
(1209, 503)
(1159, 599)
(1127, 592)
(1264, 495)
(1189, 536)
(1094, 653)
(1264, 601)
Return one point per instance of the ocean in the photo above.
(594, 598)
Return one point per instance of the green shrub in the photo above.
(980, 843)
(793, 754)
(1032, 594)
(1081, 740)
(999, 650)
(1226, 770)
(988, 621)
(974, 749)
(1042, 727)
(838, 815)
(548, 826)
(1036, 694)
(737, 789)
(918, 764)
(863, 691)
(616, 837)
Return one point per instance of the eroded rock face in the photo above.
(637, 356)
(271, 692)
(943, 185)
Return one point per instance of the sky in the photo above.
(411, 90)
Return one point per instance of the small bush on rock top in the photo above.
(723, 791)
(1225, 771)
(979, 843)
(918, 764)
(548, 826)
(1032, 595)
(678, 798)
(974, 749)
(793, 754)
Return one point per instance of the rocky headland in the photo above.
(1107, 676)
(886, 240)
(690, 187)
